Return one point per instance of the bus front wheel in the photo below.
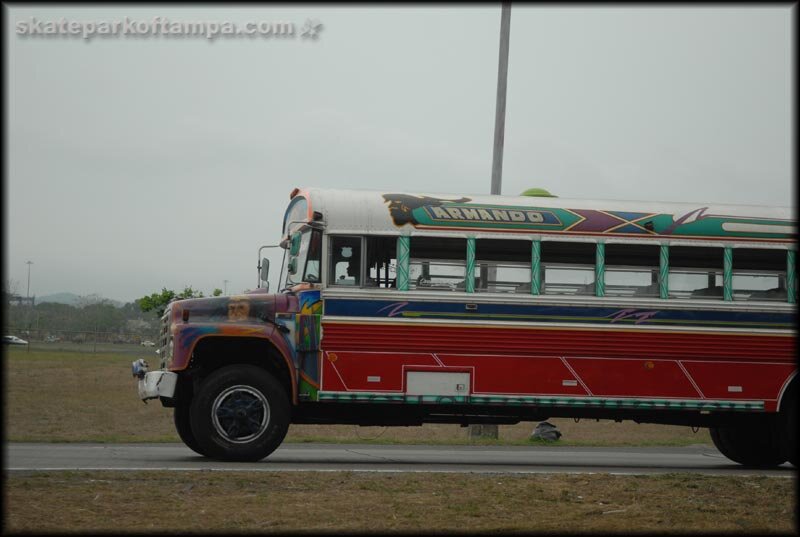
(240, 413)
(181, 417)
(758, 444)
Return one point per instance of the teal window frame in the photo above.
(791, 276)
(536, 267)
(469, 277)
(600, 269)
(663, 271)
(727, 274)
(403, 261)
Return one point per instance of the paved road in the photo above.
(371, 458)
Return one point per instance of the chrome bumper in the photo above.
(153, 384)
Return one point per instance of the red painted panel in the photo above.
(558, 342)
(524, 360)
(330, 379)
(354, 368)
(633, 378)
(758, 381)
(522, 375)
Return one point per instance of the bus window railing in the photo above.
(493, 277)
(695, 284)
(436, 275)
(757, 286)
(628, 281)
(568, 279)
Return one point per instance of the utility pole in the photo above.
(28, 294)
(491, 430)
(500, 106)
(30, 305)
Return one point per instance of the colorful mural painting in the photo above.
(308, 343)
(435, 213)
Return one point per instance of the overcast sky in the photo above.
(141, 162)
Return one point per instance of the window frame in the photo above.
(536, 259)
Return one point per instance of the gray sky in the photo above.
(136, 163)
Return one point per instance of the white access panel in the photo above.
(433, 383)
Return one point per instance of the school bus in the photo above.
(401, 309)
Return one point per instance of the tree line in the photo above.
(94, 314)
(97, 317)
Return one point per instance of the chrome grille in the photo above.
(165, 339)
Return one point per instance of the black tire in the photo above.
(757, 444)
(181, 417)
(240, 413)
(789, 429)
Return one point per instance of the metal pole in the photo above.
(28, 294)
(491, 430)
(500, 107)
(30, 306)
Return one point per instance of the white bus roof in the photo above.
(401, 213)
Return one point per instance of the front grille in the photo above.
(165, 339)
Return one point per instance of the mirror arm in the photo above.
(258, 286)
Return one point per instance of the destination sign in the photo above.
(466, 214)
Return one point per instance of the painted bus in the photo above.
(401, 309)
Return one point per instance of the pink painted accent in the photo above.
(688, 376)
(330, 379)
(576, 376)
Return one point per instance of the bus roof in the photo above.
(399, 213)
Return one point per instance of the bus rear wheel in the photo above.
(240, 413)
(758, 444)
(789, 429)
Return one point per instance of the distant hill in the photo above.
(72, 299)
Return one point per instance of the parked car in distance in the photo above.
(13, 340)
(52, 339)
(148, 343)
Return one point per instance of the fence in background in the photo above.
(83, 341)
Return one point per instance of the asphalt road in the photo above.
(385, 458)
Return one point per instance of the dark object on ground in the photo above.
(546, 431)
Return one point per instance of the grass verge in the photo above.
(316, 501)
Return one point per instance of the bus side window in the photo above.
(632, 270)
(437, 264)
(759, 274)
(502, 266)
(695, 272)
(568, 268)
(345, 261)
(381, 262)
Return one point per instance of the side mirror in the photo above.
(292, 266)
(264, 272)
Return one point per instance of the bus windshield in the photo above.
(305, 266)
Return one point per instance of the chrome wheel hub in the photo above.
(240, 414)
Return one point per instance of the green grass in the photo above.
(267, 502)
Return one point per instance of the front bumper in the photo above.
(154, 384)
